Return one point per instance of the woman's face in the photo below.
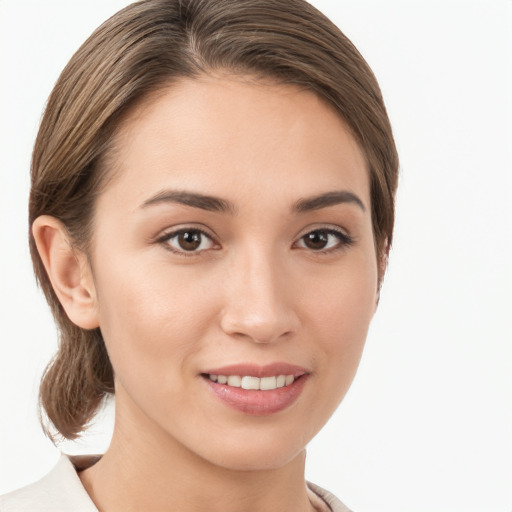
(235, 240)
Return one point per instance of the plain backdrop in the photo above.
(427, 425)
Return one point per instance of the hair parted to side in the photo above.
(142, 49)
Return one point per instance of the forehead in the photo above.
(230, 134)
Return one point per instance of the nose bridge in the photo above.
(258, 303)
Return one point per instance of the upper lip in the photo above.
(255, 370)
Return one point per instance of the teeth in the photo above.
(250, 383)
(268, 383)
(255, 383)
(235, 381)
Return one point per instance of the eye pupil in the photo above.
(189, 240)
(316, 240)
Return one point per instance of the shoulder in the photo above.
(332, 501)
(59, 491)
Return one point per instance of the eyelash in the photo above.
(344, 240)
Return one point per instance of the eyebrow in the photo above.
(328, 199)
(216, 204)
(193, 199)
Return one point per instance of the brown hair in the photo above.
(143, 49)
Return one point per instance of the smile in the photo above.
(253, 383)
(257, 390)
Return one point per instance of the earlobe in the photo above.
(68, 270)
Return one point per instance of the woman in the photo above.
(212, 206)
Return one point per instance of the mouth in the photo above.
(255, 383)
(257, 390)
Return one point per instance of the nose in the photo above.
(259, 300)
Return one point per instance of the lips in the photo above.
(257, 390)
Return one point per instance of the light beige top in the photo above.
(62, 491)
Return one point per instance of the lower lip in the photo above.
(258, 403)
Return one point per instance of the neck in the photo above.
(145, 469)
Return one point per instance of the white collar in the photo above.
(59, 491)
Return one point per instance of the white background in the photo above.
(427, 425)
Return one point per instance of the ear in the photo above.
(382, 263)
(68, 270)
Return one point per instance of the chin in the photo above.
(257, 460)
(258, 453)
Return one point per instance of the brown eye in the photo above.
(188, 240)
(324, 240)
(316, 240)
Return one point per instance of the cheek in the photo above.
(345, 301)
(340, 317)
(344, 330)
(152, 321)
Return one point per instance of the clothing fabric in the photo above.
(62, 491)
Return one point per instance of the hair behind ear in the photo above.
(75, 382)
(382, 264)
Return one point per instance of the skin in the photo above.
(254, 292)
